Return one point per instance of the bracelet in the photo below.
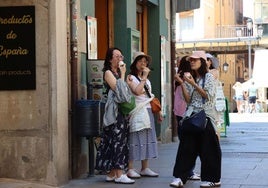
(143, 80)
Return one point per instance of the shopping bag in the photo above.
(127, 107)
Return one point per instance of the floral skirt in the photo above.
(113, 150)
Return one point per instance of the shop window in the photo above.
(260, 14)
(186, 5)
(186, 27)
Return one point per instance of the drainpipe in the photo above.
(74, 83)
(74, 52)
(84, 146)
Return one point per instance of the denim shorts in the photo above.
(252, 99)
(239, 98)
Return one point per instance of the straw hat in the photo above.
(137, 54)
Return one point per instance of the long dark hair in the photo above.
(184, 66)
(211, 64)
(107, 66)
(202, 69)
(109, 56)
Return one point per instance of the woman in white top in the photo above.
(142, 139)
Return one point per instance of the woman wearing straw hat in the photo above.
(142, 139)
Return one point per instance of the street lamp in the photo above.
(225, 67)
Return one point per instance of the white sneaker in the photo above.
(195, 176)
(148, 172)
(176, 183)
(210, 184)
(110, 179)
(124, 180)
(132, 173)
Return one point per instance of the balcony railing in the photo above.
(228, 31)
(233, 38)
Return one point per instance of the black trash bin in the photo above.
(89, 117)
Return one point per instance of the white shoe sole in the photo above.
(178, 186)
(208, 186)
(121, 182)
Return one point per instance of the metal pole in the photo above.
(249, 60)
(91, 156)
(173, 7)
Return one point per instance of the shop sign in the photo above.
(17, 48)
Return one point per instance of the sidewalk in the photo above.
(244, 160)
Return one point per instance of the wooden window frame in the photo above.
(142, 23)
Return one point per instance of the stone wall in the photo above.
(34, 123)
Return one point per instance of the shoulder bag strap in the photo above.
(203, 85)
(145, 87)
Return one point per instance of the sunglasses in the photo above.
(119, 56)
